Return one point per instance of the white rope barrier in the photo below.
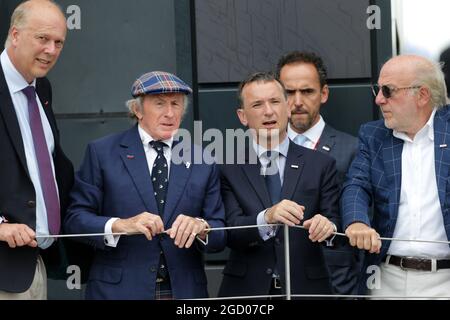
(228, 228)
(288, 295)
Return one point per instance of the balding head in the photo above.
(36, 38)
(415, 70)
(23, 11)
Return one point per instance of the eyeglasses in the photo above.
(387, 91)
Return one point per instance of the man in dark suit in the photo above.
(36, 175)
(124, 186)
(402, 167)
(285, 184)
(305, 78)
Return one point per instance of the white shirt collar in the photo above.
(16, 82)
(282, 148)
(427, 130)
(146, 138)
(313, 133)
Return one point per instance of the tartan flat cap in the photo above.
(156, 82)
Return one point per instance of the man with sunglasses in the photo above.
(402, 166)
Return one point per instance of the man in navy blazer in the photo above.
(402, 167)
(35, 40)
(130, 183)
(304, 76)
(302, 190)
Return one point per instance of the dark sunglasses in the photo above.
(387, 91)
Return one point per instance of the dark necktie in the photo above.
(160, 175)
(46, 176)
(272, 177)
(160, 182)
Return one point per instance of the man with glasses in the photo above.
(402, 167)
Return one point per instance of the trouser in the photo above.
(38, 289)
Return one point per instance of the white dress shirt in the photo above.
(312, 135)
(16, 83)
(419, 214)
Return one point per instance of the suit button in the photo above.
(269, 271)
(31, 204)
(153, 269)
(277, 241)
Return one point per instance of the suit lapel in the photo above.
(178, 178)
(133, 157)
(392, 157)
(10, 120)
(326, 141)
(441, 154)
(255, 178)
(292, 171)
(46, 105)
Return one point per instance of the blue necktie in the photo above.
(46, 176)
(272, 177)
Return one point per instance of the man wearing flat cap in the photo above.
(128, 183)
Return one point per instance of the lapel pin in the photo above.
(294, 166)
(46, 103)
(130, 156)
(188, 164)
(326, 148)
(443, 146)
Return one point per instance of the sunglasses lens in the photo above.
(386, 91)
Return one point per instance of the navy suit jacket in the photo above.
(375, 176)
(114, 181)
(17, 195)
(309, 180)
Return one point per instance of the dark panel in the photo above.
(118, 41)
(6, 9)
(348, 107)
(77, 133)
(237, 37)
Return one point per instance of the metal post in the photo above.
(287, 261)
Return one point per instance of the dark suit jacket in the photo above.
(343, 260)
(375, 177)
(252, 260)
(17, 195)
(339, 145)
(114, 181)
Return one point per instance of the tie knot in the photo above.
(158, 146)
(301, 139)
(271, 154)
(30, 92)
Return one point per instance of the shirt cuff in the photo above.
(110, 240)
(265, 232)
(329, 242)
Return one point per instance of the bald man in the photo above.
(402, 166)
(36, 175)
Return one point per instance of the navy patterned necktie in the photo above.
(46, 176)
(160, 178)
(272, 177)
